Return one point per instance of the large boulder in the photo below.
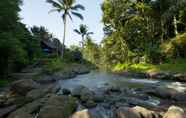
(6, 110)
(27, 110)
(82, 91)
(136, 112)
(39, 93)
(145, 113)
(175, 112)
(180, 77)
(23, 86)
(167, 93)
(21, 115)
(58, 107)
(125, 112)
(82, 114)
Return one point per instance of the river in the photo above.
(134, 91)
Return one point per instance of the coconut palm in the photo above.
(83, 31)
(67, 8)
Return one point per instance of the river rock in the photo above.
(168, 93)
(24, 86)
(90, 104)
(136, 112)
(6, 110)
(66, 91)
(45, 79)
(59, 107)
(27, 110)
(175, 112)
(39, 93)
(144, 113)
(180, 77)
(160, 75)
(165, 93)
(82, 114)
(65, 74)
(126, 112)
(81, 91)
(21, 115)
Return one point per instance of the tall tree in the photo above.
(67, 8)
(83, 31)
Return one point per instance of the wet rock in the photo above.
(136, 112)
(180, 77)
(160, 75)
(133, 74)
(24, 86)
(168, 93)
(175, 112)
(21, 115)
(59, 107)
(101, 112)
(5, 111)
(3, 100)
(82, 91)
(27, 110)
(126, 112)
(114, 89)
(82, 114)
(162, 92)
(99, 98)
(76, 92)
(66, 91)
(66, 74)
(144, 113)
(45, 79)
(38, 93)
(179, 97)
(90, 104)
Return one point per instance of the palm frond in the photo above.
(54, 10)
(69, 15)
(55, 4)
(77, 15)
(77, 31)
(89, 33)
(77, 7)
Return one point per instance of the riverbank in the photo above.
(167, 71)
(47, 71)
(22, 95)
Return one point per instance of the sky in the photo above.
(35, 12)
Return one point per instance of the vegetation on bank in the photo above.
(178, 67)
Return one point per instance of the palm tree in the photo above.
(67, 8)
(83, 31)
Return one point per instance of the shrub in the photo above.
(175, 48)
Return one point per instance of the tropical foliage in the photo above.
(66, 8)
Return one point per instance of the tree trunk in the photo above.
(175, 26)
(64, 36)
(162, 31)
(82, 41)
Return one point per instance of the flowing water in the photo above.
(100, 81)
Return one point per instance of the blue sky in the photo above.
(35, 12)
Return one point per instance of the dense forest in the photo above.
(142, 31)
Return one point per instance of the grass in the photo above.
(179, 67)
